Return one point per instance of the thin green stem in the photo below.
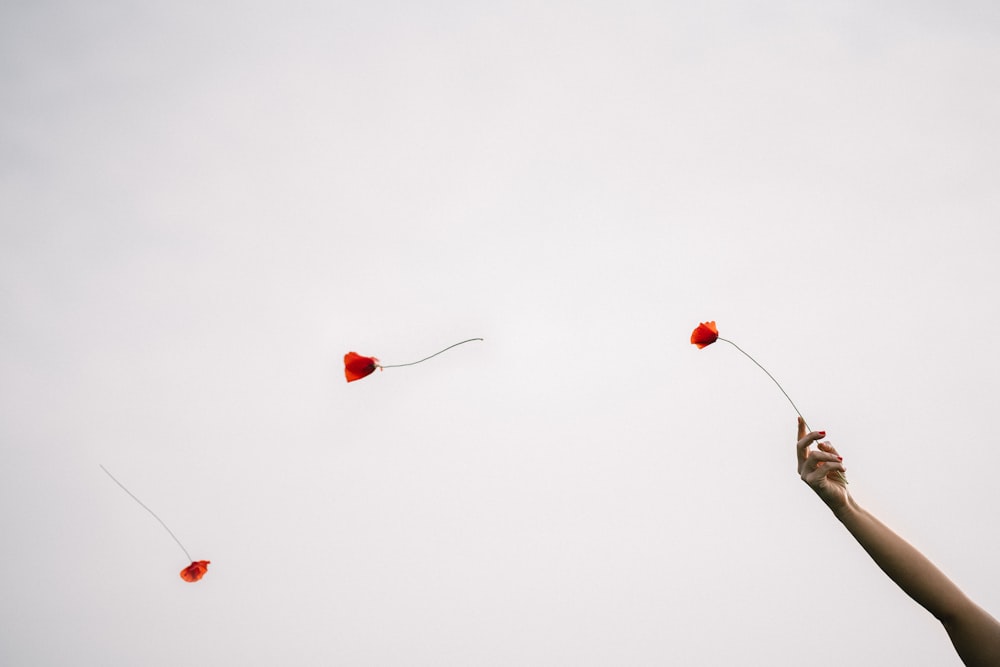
(778, 384)
(430, 357)
(143, 505)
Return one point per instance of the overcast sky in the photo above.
(204, 205)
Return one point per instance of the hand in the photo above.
(822, 468)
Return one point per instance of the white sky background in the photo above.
(204, 206)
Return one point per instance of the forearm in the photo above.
(904, 564)
(974, 633)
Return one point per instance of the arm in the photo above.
(974, 633)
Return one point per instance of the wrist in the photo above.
(846, 510)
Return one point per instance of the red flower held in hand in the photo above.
(704, 335)
(357, 366)
(195, 571)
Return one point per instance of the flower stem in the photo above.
(797, 411)
(778, 384)
(143, 505)
(426, 358)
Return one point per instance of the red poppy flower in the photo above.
(357, 366)
(705, 334)
(195, 571)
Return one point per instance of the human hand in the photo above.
(822, 468)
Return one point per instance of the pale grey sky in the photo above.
(203, 206)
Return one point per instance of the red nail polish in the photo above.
(840, 458)
(822, 433)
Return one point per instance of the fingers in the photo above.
(827, 447)
(820, 463)
(830, 449)
(806, 439)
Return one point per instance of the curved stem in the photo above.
(426, 358)
(150, 511)
(778, 384)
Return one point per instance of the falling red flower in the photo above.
(357, 366)
(705, 334)
(195, 571)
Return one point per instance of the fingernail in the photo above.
(821, 433)
(840, 458)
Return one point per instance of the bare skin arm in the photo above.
(974, 633)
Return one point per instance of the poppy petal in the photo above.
(704, 334)
(195, 571)
(357, 366)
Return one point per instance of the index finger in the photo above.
(806, 439)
